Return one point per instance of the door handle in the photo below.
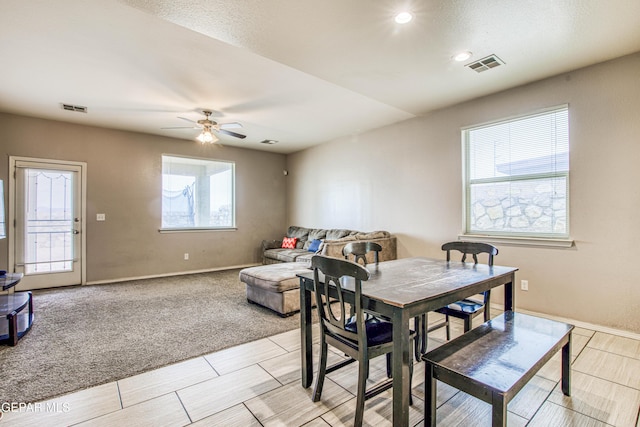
(76, 232)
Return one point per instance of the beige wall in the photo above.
(124, 182)
(406, 178)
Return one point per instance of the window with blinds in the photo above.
(517, 176)
(197, 194)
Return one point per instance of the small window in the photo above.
(197, 193)
(517, 176)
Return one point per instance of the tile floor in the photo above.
(258, 384)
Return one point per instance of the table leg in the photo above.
(306, 352)
(402, 356)
(12, 319)
(509, 295)
(498, 411)
(566, 368)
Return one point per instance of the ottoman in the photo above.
(274, 286)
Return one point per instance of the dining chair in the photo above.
(359, 250)
(466, 309)
(361, 337)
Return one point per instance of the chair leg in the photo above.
(362, 383)
(389, 365)
(422, 334)
(467, 323)
(410, 380)
(420, 342)
(322, 370)
(487, 306)
(416, 343)
(448, 322)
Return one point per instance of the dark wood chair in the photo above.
(361, 337)
(466, 309)
(359, 250)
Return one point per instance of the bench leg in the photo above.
(499, 411)
(566, 368)
(430, 391)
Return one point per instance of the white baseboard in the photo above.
(180, 273)
(577, 323)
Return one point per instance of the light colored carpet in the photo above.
(91, 335)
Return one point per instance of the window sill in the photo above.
(519, 241)
(195, 230)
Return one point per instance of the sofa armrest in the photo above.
(271, 244)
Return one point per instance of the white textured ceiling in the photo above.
(298, 71)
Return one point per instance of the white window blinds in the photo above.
(517, 176)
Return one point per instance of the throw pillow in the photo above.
(289, 242)
(315, 245)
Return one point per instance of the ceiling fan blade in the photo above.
(182, 127)
(228, 132)
(189, 120)
(232, 125)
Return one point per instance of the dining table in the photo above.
(400, 290)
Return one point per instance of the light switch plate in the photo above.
(101, 217)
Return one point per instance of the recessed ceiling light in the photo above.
(462, 56)
(403, 17)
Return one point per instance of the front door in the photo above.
(47, 207)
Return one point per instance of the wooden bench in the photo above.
(495, 360)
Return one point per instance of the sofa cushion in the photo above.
(274, 277)
(372, 235)
(301, 233)
(335, 234)
(345, 239)
(315, 234)
(306, 259)
(284, 255)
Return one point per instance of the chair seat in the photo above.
(379, 331)
(464, 306)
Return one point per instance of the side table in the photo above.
(12, 306)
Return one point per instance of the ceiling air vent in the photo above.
(491, 61)
(76, 108)
(269, 141)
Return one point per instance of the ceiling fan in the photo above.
(208, 126)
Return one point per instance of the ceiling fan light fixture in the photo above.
(403, 17)
(206, 137)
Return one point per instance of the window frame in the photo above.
(197, 228)
(508, 237)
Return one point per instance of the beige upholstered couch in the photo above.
(276, 285)
(331, 243)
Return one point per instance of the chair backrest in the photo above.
(333, 310)
(359, 250)
(470, 248)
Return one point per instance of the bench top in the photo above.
(500, 352)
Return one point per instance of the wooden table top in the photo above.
(406, 281)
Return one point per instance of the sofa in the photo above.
(275, 284)
(329, 242)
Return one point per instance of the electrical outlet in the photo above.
(101, 217)
(186, 257)
(524, 285)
